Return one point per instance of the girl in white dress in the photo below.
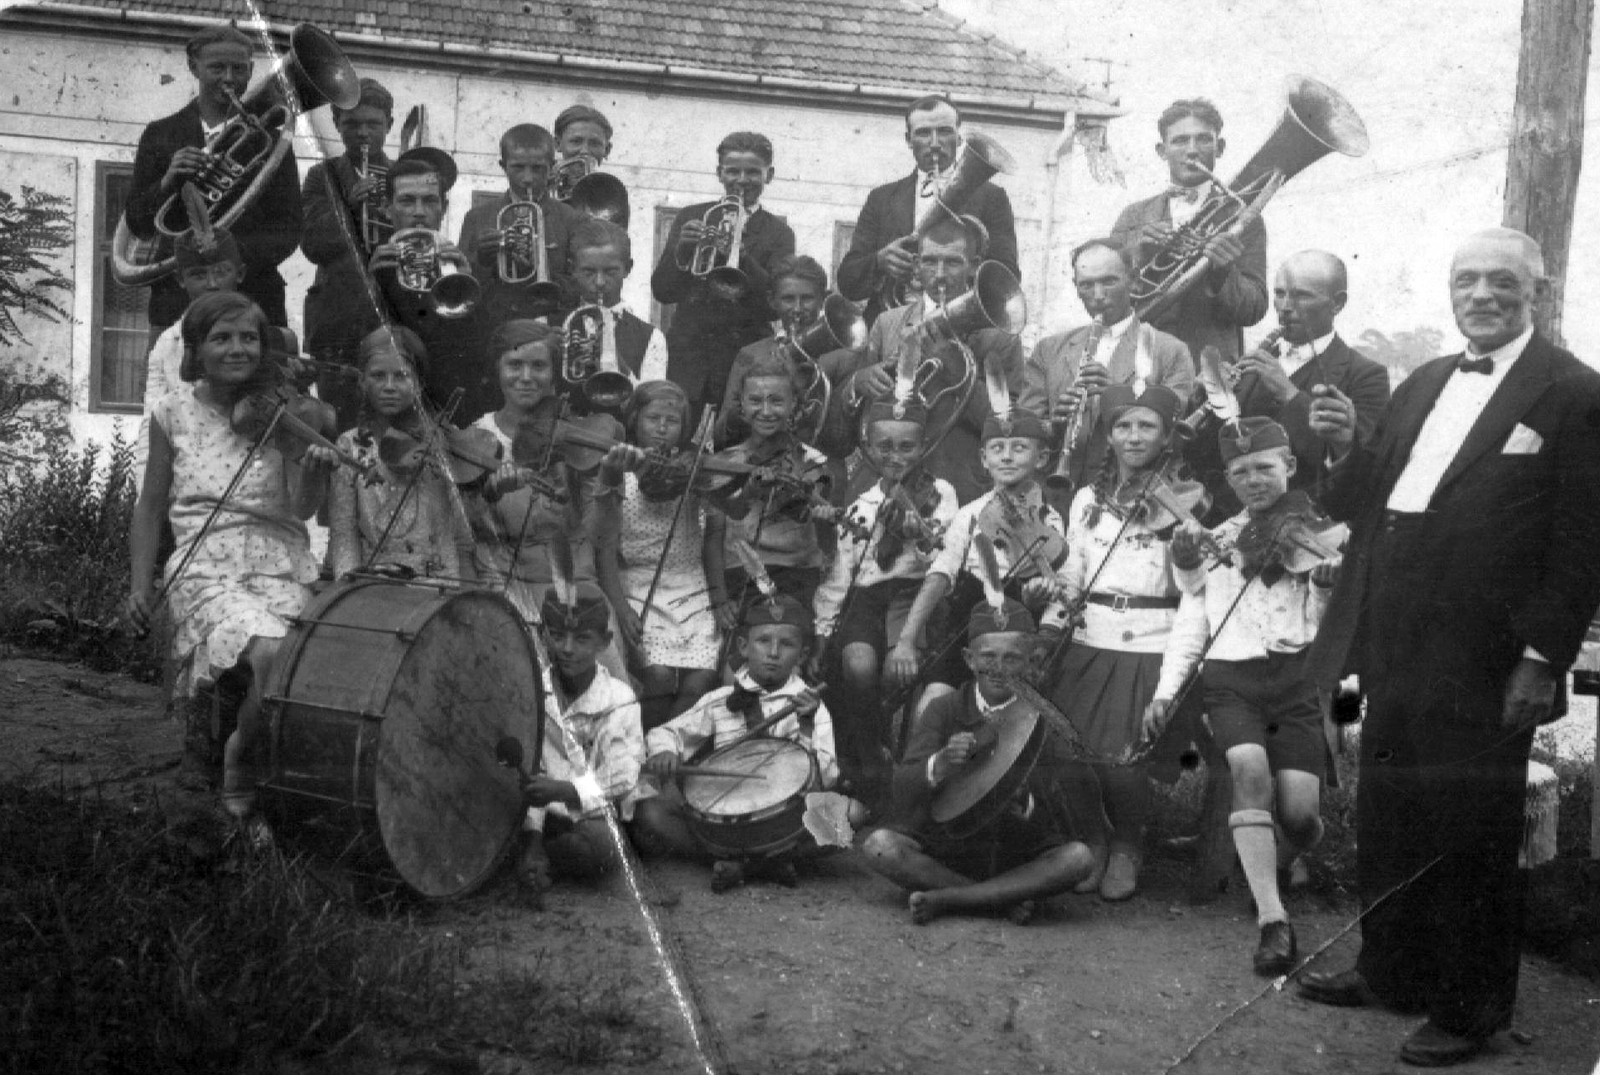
(675, 653)
(249, 571)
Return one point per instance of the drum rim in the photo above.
(786, 746)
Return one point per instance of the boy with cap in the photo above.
(1015, 446)
(1028, 853)
(867, 593)
(774, 639)
(1254, 628)
(593, 745)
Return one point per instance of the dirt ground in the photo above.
(832, 978)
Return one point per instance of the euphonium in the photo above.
(1063, 477)
(422, 270)
(1316, 121)
(715, 258)
(579, 182)
(524, 257)
(240, 159)
(589, 365)
(374, 228)
(838, 326)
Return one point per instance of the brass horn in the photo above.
(242, 157)
(564, 176)
(524, 257)
(715, 258)
(589, 365)
(840, 326)
(602, 196)
(994, 301)
(1316, 121)
(424, 271)
(982, 159)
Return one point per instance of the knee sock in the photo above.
(1258, 854)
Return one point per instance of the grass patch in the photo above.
(121, 950)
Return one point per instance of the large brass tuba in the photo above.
(424, 271)
(243, 155)
(715, 258)
(838, 326)
(1316, 121)
(524, 257)
(982, 158)
(589, 367)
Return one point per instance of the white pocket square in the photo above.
(1523, 441)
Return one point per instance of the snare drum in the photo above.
(736, 818)
(384, 707)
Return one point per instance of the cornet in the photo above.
(524, 258)
(422, 270)
(374, 229)
(715, 258)
(589, 365)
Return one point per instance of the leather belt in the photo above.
(1121, 602)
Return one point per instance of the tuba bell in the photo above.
(240, 159)
(982, 158)
(994, 300)
(589, 368)
(603, 196)
(839, 326)
(422, 270)
(1316, 121)
(524, 257)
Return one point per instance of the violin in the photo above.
(784, 486)
(913, 500)
(474, 456)
(296, 422)
(1015, 523)
(1293, 536)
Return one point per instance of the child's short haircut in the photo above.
(800, 267)
(582, 114)
(746, 142)
(592, 233)
(526, 136)
(770, 365)
(373, 95)
(650, 392)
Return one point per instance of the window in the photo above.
(120, 333)
(661, 313)
(842, 234)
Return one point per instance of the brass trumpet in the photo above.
(424, 271)
(715, 258)
(241, 158)
(524, 257)
(589, 365)
(374, 228)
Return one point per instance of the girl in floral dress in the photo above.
(234, 584)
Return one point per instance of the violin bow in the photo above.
(211, 517)
(702, 442)
(432, 444)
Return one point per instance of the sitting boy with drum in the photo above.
(766, 742)
(593, 745)
(972, 832)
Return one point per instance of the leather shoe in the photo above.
(1276, 951)
(1431, 1046)
(1348, 989)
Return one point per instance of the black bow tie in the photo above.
(742, 701)
(1475, 365)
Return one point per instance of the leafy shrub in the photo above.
(64, 554)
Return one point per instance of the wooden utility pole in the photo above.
(1547, 137)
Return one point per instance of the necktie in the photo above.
(742, 701)
(1475, 365)
(1187, 194)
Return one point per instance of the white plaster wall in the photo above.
(82, 101)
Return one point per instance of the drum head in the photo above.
(785, 768)
(446, 810)
(969, 786)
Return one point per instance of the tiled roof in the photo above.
(896, 44)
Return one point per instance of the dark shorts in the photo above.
(1012, 841)
(875, 614)
(1272, 703)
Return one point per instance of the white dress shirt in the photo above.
(1182, 210)
(1109, 339)
(928, 185)
(1294, 359)
(1463, 399)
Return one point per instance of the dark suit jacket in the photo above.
(706, 332)
(501, 301)
(267, 232)
(339, 309)
(1510, 543)
(1206, 314)
(890, 213)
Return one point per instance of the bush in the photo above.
(64, 555)
(123, 950)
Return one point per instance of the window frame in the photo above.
(104, 170)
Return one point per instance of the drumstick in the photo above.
(691, 770)
(782, 712)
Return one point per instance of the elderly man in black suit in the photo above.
(1309, 292)
(171, 150)
(1233, 293)
(880, 252)
(1472, 571)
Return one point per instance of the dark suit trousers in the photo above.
(1439, 811)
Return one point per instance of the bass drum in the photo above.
(384, 708)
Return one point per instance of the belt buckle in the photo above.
(1119, 602)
